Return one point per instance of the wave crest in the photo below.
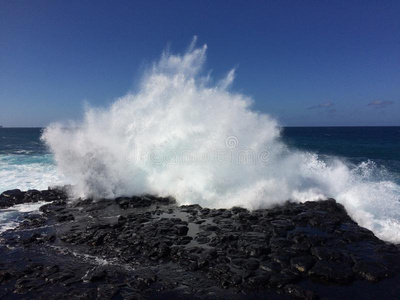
(184, 135)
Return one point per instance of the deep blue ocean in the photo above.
(380, 145)
(26, 163)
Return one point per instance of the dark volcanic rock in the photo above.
(302, 263)
(13, 197)
(10, 198)
(371, 271)
(145, 247)
(329, 271)
(297, 292)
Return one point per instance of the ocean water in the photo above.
(26, 162)
(184, 134)
(356, 145)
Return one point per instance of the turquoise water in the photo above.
(25, 162)
(366, 182)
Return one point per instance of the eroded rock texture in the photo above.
(148, 247)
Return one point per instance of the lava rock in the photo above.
(371, 271)
(303, 263)
(148, 247)
(332, 272)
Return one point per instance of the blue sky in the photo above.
(307, 63)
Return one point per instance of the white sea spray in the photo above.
(184, 135)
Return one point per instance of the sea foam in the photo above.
(185, 135)
(28, 172)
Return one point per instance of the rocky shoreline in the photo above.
(147, 247)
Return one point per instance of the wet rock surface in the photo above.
(145, 247)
